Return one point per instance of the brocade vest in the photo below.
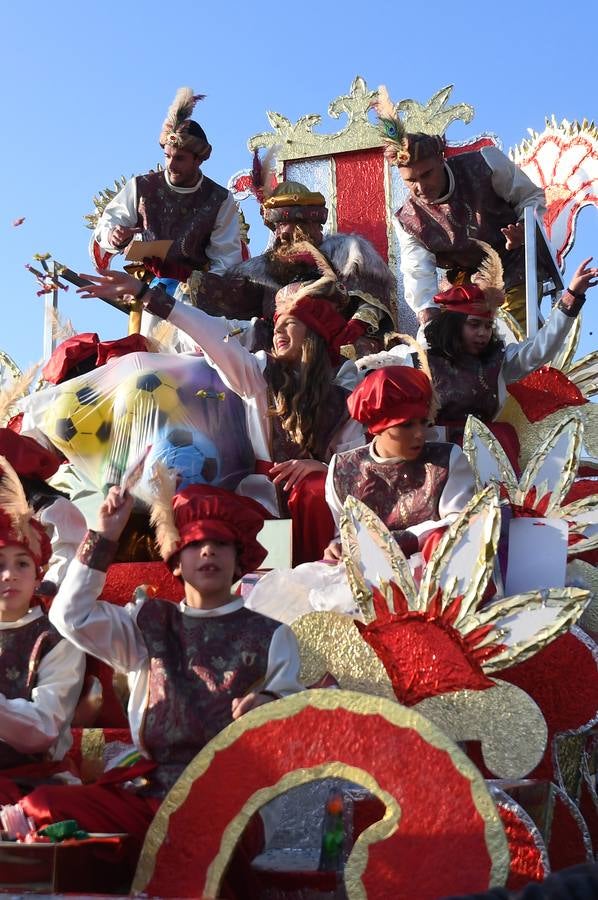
(187, 219)
(197, 666)
(21, 652)
(473, 210)
(334, 417)
(401, 493)
(471, 388)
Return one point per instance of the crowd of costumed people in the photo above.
(274, 389)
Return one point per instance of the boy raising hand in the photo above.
(193, 667)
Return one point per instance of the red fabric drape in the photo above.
(313, 525)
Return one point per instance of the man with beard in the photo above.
(295, 215)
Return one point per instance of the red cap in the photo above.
(319, 315)
(69, 354)
(32, 538)
(468, 299)
(26, 456)
(133, 343)
(80, 347)
(203, 513)
(391, 396)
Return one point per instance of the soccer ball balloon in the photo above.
(193, 456)
(146, 401)
(79, 422)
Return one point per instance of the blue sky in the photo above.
(85, 89)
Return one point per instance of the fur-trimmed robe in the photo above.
(248, 289)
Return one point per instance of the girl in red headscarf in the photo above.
(471, 367)
(40, 673)
(415, 486)
(295, 405)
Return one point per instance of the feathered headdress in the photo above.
(291, 201)
(263, 179)
(18, 525)
(179, 130)
(163, 482)
(325, 287)
(400, 147)
(15, 391)
(200, 512)
(489, 276)
(479, 294)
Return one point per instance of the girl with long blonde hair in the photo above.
(295, 405)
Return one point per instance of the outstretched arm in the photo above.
(420, 279)
(240, 369)
(524, 358)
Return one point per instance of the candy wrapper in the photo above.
(114, 423)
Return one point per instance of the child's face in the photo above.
(476, 334)
(209, 566)
(18, 581)
(289, 334)
(406, 440)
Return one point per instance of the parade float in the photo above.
(447, 741)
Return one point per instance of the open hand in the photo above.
(114, 513)
(110, 286)
(514, 235)
(584, 277)
(293, 471)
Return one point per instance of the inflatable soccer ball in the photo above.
(193, 456)
(146, 401)
(79, 422)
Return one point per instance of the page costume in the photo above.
(486, 192)
(412, 497)
(184, 665)
(40, 673)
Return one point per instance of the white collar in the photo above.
(183, 190)
(384, 460)
(230, 607)
(33, 613)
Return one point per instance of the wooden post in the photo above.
(135, 313)
(50, 314)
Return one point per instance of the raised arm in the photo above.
(524, 358)
(106, 631)
(240, 369)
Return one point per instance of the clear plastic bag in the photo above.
(151, 406)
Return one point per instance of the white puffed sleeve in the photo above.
(284, 664)
(42, 724)
(122, 210)
(224, 249)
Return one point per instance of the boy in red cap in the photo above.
(40, 673)
(414, 486)
(192, 668)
